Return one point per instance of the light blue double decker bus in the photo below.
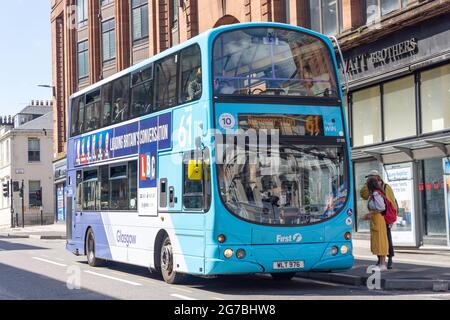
(227, 154)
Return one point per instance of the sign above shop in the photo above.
(361, 62)
(398, 52)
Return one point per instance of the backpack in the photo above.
(395, 199)
(390, 214)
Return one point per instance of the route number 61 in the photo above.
(184, 135)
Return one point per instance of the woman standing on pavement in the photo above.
(378, 232)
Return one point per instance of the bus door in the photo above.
(182, 199)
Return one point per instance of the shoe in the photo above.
(389, 264)
(382, 267)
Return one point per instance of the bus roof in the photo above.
(197, 39)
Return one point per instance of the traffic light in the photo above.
(21, 192)
(6, 189)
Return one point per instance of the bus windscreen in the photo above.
(273, 62)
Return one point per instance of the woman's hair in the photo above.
(372, 184)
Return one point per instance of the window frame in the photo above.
(107, 94)
(139, 5)
(74, 114)
(95, 185)
(339, 17)
(90, 104)
(141, 83)
(104, 3)
(110, 30)
(36, 153)
(125, 78)
(98, 183)
(85, 53)
(206, 192)
(157, 64)
(82, 20)
(106, 89)
(379, 15)
(32, 195)
(180, 75)
(289, 100)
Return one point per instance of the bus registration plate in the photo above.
(283, 265)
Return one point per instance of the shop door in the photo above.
(446, 162)
(432, 188)
(400, 178)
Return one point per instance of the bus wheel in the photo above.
(92, 260)
(286, 276)
(169, 275)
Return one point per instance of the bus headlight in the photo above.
(344, 249)
(240, 253)
(334, 250)
(228, 253)
(221, 238)
(347, 236)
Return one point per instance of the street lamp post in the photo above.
(48, 86)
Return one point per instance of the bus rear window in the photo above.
(273, 62)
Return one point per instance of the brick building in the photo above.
(395, 50)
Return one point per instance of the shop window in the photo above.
(361, 169)
(399, 108)
(366, 114)
(435, 99)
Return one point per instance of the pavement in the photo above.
(52, 231)
(424, 269)
(413, 269)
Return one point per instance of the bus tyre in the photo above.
(92, 260)
(169, 275)
(285, 276)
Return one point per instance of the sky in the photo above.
(25, 53)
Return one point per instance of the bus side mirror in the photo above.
(195, 169)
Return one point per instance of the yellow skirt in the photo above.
(378, 234)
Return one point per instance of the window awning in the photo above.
(406, 147)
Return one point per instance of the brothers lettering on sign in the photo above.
(361, 62)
